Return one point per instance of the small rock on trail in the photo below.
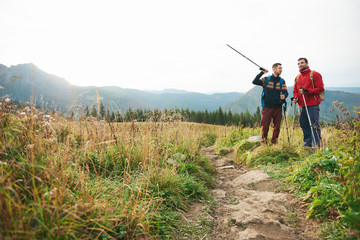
(249, 205)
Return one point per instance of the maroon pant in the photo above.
(266, 115)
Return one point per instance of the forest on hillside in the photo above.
(218, 117)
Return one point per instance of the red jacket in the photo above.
(304, 81)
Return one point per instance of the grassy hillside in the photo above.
(92, 180)
(89, 179)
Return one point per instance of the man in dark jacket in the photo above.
(274, 94)
(309, 85)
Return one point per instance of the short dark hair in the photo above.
(302, 58)
(276, 64)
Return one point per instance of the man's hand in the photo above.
(282, 96)
(303, 90)
(265, 70)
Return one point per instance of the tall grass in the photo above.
(92, 179)
(327, 179)
(87, 179)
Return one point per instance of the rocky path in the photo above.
(249, 205)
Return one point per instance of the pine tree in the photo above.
(87, 112)
(247, 118)
(219, 117)
(139, 115)
(236, 119)
(112, 117)
(187, 114)
(241, 122)
(257, 115)
(206, 117)
(199, 117)
(93, 112)
(102, 110)
(212, 117)
(118, 117)
(128, 115)
(229, 119)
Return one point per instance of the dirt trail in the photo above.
(249, 205)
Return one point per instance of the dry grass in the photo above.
(93, 179)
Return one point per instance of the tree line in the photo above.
(217, 117)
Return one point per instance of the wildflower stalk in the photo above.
(111, 129)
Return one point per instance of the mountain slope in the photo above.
(22, 81)
(345, 89)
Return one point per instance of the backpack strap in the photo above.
(281, 83)
(312, 81)
(311, 77)
(267, 80)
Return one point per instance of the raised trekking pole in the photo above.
(307, 112)
(261, 69)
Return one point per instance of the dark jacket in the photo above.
(272, 90)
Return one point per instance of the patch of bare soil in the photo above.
(250, 205)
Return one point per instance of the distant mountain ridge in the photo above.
(168, 90)
(21, 81)
(345, 89)
(50, 91)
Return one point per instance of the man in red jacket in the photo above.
(308, 85)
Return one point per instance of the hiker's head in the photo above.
(303, 63)
(277, 68)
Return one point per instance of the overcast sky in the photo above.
(158, 44)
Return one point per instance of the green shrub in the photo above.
(209, 139)
(243, 151)
(274, 156)
(325, 196)
(111, 162)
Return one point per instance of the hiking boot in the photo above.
(306, 146)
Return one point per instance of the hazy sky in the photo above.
(161, 44)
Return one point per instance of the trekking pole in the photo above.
(293, 124)
(307, 112)
(287, 129)
(261, 69)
